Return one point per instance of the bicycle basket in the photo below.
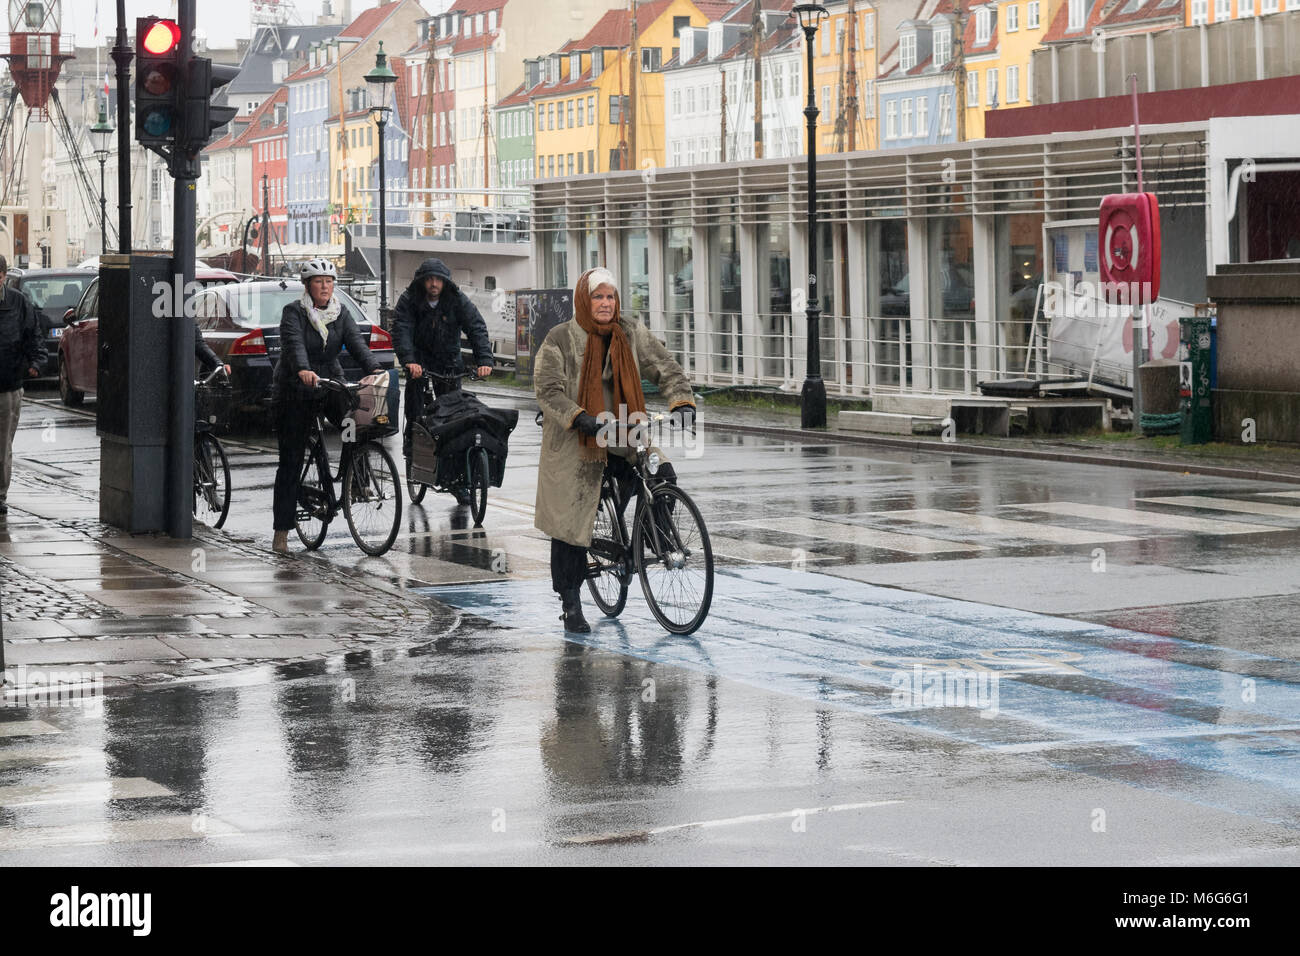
(212, 405)
(377, 400)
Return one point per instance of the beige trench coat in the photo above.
(568, 488)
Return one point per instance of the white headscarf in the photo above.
(601, 276)
(321, 319)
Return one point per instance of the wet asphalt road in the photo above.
(1130, 635)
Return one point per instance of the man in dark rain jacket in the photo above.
(431, 315)
(22, 356)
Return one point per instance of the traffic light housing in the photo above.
(201, 117)
(159, 90)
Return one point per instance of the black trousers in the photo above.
(293, 416)
(569, 561)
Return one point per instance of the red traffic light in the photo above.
(162, 37)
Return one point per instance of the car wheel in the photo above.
(70, 395)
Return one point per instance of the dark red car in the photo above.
(79, 344)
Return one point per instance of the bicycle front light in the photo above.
(652, 463)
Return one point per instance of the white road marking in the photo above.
(986, 524)
(760, 553)
(90, 791)
(173, 827)
(57, 753)
(638, 835)
(1229, 504)
(1121, 740)
(279, 861)
(1153, 519)
(26, 728)
(857, 535)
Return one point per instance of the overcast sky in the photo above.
(222, 20)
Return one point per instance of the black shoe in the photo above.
(572, 617)
(462, 497)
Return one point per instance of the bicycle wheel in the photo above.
(372, 498)
(416, 489)
(674, 559)
(312, 518)
(211, 481)
(609, 587)
(478, 485)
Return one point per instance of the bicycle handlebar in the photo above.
(208, 380)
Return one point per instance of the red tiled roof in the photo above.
(714, 9)
(583, 82)
(614, 29)
(472, 7)
(254, 129)
(1113, 15)
(473, 44)
(517, 97)
(369, 21)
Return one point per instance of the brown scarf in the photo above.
(627, 378)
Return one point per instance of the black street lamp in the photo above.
(378, 82)
(813, 414)
(102, 131)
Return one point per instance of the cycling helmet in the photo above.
(317, 267)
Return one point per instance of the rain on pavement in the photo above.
(1125, 637)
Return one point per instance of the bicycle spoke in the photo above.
(372, 498)
(676, 561)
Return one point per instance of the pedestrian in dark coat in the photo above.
(22, 356)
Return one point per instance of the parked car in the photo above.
(78, 353)
(53, 292)
(241, 323)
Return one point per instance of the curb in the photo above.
(954, 448)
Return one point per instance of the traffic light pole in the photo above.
(122, 57)
(180, 446)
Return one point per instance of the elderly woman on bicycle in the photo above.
(592, 364)
(313, 330)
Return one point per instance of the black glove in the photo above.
(683, 417)
(586, 424)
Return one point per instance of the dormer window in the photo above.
(492, 20)
(907, 51)
(597, 61)
(575, 65)
(983, 22)
(942, 46)
(1076, 15)
(715, 41)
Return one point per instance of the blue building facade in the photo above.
(917, 94)
(309, 154)
(397, 156)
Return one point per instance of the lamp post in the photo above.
(813, 405)
(378, 82)
(102, 131)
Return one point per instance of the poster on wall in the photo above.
(537, 311)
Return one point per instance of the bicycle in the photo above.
(668, 549)
(469, 486)
(211, 468)
(371, 498)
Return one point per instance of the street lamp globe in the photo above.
(378, 82)
(102, 131)
(810, 15)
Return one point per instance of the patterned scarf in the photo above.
(321, 320)
(627, 378)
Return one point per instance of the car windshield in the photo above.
(56, 293)
(262, 305)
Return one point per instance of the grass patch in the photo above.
(1173, 443)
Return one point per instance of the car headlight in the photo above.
(652, 463)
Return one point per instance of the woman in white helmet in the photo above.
(313, 330)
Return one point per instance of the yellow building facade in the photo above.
(351, 165)
(831, 59)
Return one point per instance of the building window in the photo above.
(1245, 8)
(677, 153)
(1013, 84)
(591, 111)
(541, 117)
(1076, 15)
(614, 111)
(1222, 10)
(580, 159)
(1267, 6)
(826, 42)
(560, 115)
(922, 116)
(983, 22)
(907, 118)
(942, 46)
(677, 103)
(650, 59)
(991, 78)
(690, 101)
(972, 89)
(550, 116)
(1031, 15)
(570, 114)
(891, 120)
(550, 167)
(1013, 18)
(945, 114)
(907, 51)
(826, 101)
